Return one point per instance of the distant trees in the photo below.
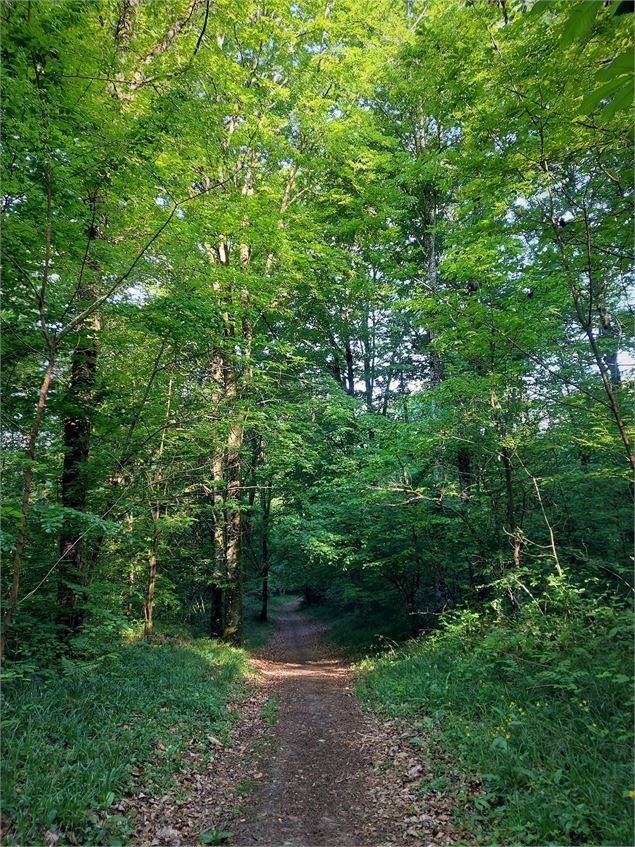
(394, 260)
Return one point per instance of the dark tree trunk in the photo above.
(266, 509)
(464, 468)
(77, 428)
(350, 374)
(219, 573)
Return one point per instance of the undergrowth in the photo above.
(537, 709)
(75, 739)
(360, 633)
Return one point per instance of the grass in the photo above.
(256, 633)
(537, 709)
(76, 740)
(271, 711)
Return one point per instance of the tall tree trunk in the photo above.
(234, 606)
(157, 490)
(368, 360)
(266, 508)
(77, 427)
(152, 576)
(219, 575)
(464, 467)
(350, 373)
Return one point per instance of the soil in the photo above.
(326, 774)
(315, 789)
(327, 781)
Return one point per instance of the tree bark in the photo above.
(464, 468)
(219, 575)
(77, 428)
(368, 361)
(234, 607)
(266, 509)
(350, 373)
(27, 485)
(155, 511)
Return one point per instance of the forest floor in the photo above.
(304, 765)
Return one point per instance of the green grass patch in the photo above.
(76, 740)
(539, 709)
(271, 711)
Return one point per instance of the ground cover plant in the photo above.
(537, 709)
(75, 740)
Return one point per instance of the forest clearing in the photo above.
(317, 392)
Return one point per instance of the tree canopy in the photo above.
(323, 296)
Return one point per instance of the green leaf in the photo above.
(580, 22)
(214, 836)
(538, 8)
(622, 102)
(622, 64)
(603, 92)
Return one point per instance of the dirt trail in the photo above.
(314, 792)
(336, 776)
(327, 774)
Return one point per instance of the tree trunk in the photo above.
(152, 576)
(266, 508)
(219, 575)
(350, 374)
(77, 427)
(234, 608)
(368, 361)
(155, 511)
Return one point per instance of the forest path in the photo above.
(326, 775)
(329, 779)
(314, 791)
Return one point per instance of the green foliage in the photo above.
(271, 711)
(536, 709)
(347, 284)
(99, 729)
(214, 836)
